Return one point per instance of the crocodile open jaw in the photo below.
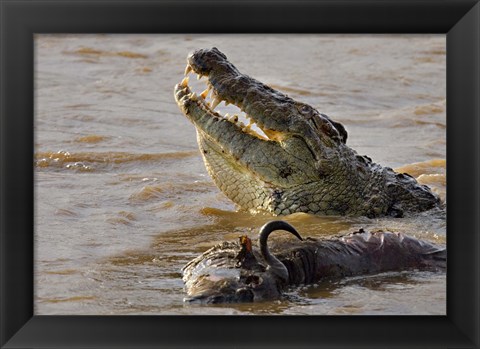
(258, 123)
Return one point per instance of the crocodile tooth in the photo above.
(227, 103)
(216, 101)
(184, 82)
(188, 69)
(204, 94)
(199, 76)
(193, 96)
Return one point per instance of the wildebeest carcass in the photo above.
(235, 272)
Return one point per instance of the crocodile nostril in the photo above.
(217, 51)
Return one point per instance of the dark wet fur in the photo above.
(308, 261)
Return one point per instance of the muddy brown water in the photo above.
(122, 198)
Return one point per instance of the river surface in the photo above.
(123, 200)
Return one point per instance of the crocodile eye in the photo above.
(305, 109)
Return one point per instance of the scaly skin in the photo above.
(303, 166)
(236, 272)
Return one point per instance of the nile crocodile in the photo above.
(237, 272)
(302, 164)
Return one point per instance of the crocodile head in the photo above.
(299, 162)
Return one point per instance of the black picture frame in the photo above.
(20, 20)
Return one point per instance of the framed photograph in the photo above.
(138, 135)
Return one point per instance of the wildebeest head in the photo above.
(236, 272)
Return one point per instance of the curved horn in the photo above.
(273, 262)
